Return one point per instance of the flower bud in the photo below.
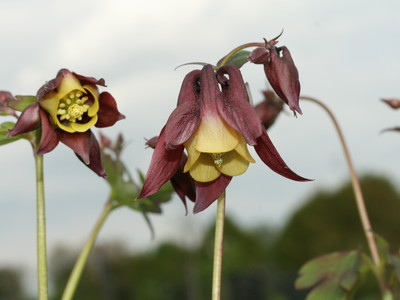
(281, 72)
(269, 109)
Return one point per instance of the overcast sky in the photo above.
(347, 54)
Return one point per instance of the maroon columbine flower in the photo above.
(182, 182)
(281, 72)
(214, 122)
(269, 109)
(65, 110)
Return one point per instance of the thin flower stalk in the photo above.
(41, 231)
(80, 263)
(362, 210)
(218, 248)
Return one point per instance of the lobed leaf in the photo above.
(332, 276)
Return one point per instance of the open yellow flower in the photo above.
(66, 108)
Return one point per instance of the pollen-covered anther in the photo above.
(217, 157)
(72, 106)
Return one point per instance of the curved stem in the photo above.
(237, 49)
(356, 186)
(80, 263)
(41, 231)
(218, 247)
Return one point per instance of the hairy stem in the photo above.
(80, 263)
(366, 224)
(41, 231)
(218, 247)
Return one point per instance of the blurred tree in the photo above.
(258, 263)
(329, 222)
(10, 284)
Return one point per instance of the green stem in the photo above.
(362, 210)
(218, 247)
(41, 231)
(80, 263)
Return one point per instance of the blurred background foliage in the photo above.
(258, 263)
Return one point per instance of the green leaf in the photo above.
(332, 277)
(239, 58)
(21, 102)
(4, 129)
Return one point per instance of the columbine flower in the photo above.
(214, 122)
(65, 110)
(281, 72)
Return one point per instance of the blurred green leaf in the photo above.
(21, 102)
(4, 128)
(124, 190)
(332, 276)
(239, 58)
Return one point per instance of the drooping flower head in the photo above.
(281, 72)
(214, 122)
(65, 110)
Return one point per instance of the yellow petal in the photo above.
(243, 151)
(94, 108)
(50, 104)
(204, 170)
(233, 164)
(83, 127)
(215, 136)
(193, 154)
(68, 84)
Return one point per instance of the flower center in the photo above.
(72, 106)
(217, 157)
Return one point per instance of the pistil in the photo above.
(217, 157)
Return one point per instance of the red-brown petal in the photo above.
(51, 85)
(95, 157)
(185, 119)
(108, 113)
(183, 183)
(79, 142)
(89, 80)
(164, 164)
(49, 139)
(393, 103)
(208, 192)
(181, 124)
(29, 120)
(235, 107)
(189, 90)
(270, 156)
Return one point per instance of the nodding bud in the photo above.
(281, 72)
(269, 109)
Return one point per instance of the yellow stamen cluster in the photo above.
(72, 106)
